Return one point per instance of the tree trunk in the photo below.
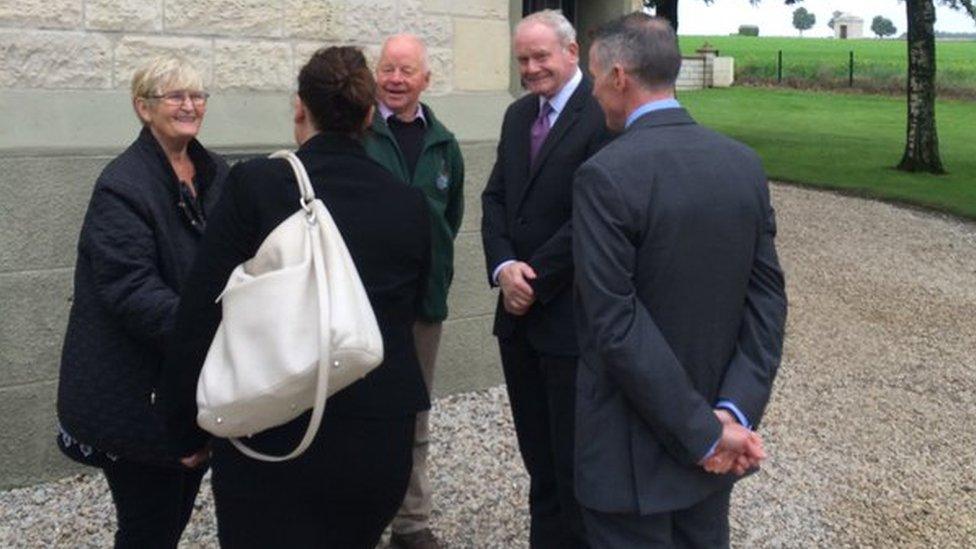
(922, 141)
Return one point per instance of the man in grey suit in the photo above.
(680, 306)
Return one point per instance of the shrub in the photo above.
(748, 30)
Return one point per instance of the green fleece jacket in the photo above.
(440, 174)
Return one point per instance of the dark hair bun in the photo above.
(337, 88)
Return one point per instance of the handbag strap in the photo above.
(325, 322)
(301, 178)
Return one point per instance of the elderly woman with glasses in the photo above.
(144, 222)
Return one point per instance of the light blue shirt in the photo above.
(558, 101)
(557, 104)
(652, 106)
(730, 407)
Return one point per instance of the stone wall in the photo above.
(699, 72)
(241, 44)
(65, 67)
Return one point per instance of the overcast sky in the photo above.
(776, 19)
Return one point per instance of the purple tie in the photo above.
(540, 129)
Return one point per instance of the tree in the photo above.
(922, 139)
(803, 20)
(882, 26)
(833, 17)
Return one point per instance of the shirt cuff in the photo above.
(498, 269)
(730, 406)
(711, 451)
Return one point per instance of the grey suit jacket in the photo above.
(679, 302)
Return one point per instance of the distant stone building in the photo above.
(847, 25)
(65, 67)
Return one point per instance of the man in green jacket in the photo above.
(407, 139)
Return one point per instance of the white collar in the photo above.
(558, 101)
(387, 112)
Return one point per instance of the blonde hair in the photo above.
(163, 73)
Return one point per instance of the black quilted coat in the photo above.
(136, 245)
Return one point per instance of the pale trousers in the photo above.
(414, 512)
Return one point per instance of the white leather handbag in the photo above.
(297, 327)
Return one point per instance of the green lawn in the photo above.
(878, 64)
(844, 141)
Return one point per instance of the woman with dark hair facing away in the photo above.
(347, 486)
(144, 222)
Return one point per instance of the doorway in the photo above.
(568, 7)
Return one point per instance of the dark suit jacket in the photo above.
(527, 212)
(680, 303)
(385, 225)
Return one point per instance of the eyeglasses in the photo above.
(176, 98)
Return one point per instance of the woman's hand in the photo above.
(196, 459)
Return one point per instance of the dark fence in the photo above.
(850, 68)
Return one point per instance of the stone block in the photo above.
(132, 52)
(494, 9)
(723, 72)
(126, 15)
(470, 295)
(247, 65)
(348, 21)
(472, 117)
(441, 61)
(261, 121)
(35, 315)
(436, 31)
(468, 357)
(45, 199)
(28, 453)
(482, 55)
(225, 17)
(369, 21)
(51, 59)
(479, 158)
(436, 6)
(320, 19)
(42, 14)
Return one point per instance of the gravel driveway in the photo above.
(870, 431)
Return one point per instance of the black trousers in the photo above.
(542, 392)
(152, 503)
(341, 493)
(704, 525)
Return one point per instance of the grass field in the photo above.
(879, 65)
(845, 141)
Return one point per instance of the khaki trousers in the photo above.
(414, 512)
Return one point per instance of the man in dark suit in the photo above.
(680, 306)
(527, 206)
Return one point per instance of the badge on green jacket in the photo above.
(443, 178)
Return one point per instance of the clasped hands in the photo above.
(517, 294)
(737, 451)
